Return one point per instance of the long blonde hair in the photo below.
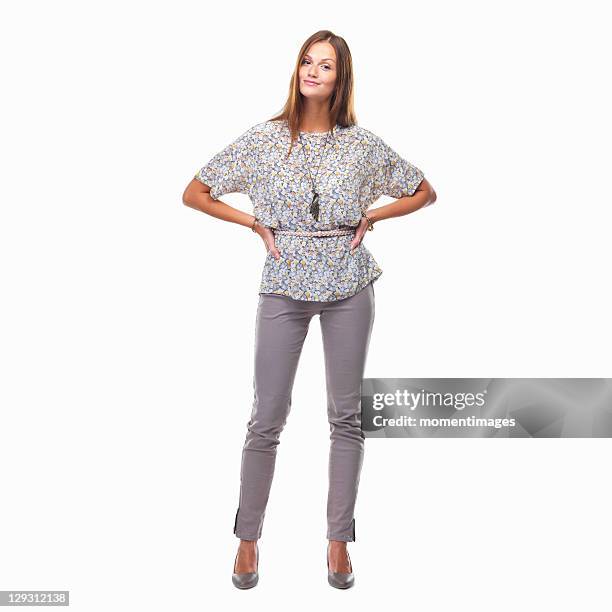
(341, 107)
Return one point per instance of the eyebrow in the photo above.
(324, 59)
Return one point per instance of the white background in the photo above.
(128, 319)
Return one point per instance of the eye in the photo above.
(326, 65)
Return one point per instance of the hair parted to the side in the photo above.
(341, 105)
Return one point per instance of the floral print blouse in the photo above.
(351, 168)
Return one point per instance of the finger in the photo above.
(357, 240)
(357, 243)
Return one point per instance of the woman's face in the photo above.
(318, 71)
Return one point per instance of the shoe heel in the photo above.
(249, 579)
(340, 580)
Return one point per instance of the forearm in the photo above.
(203, 202)
(403, 206)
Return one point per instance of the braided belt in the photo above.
(332, 232)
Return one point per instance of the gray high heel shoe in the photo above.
(247, 580)
(340, 580)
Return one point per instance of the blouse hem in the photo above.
(359, 288)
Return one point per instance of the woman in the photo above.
(311, 173)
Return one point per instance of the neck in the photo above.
(315, 117)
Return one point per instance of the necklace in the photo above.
(314, 205)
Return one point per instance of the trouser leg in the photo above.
(281, 327)
(346, 327)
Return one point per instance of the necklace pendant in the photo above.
(314, 207)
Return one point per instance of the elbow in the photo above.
(186, 200)
(427, 189)
(195, 196)
(431, 197)
(197, 199)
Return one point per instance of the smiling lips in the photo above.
(310, 83)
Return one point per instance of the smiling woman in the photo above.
(312, 174)
(326, 64)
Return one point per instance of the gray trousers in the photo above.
(281, 327)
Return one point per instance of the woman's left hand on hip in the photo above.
(359, 233)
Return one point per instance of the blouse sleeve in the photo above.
(231, 170)
(395, 177)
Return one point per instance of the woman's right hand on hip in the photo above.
(267, 235)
